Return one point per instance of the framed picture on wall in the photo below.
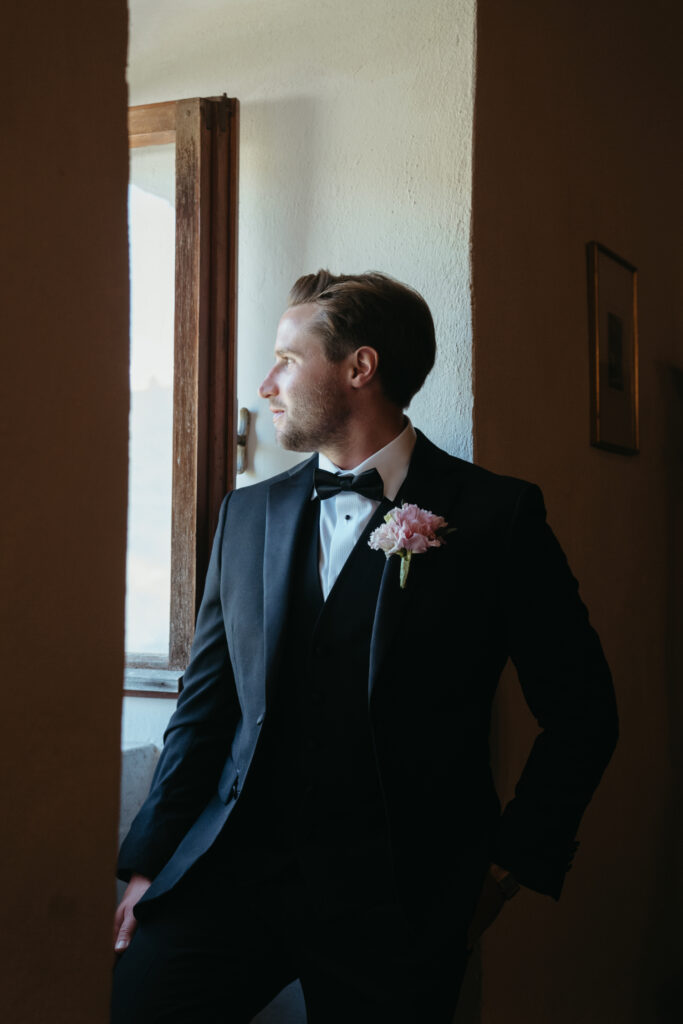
(613, 332)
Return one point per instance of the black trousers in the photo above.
(240, 927)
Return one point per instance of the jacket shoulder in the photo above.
(474, 479)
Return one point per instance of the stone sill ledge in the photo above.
(150, 682)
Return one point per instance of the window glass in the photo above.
(151, 225)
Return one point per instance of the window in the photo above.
(183, 230)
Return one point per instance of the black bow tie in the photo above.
(369, 484)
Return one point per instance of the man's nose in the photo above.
(267, 387)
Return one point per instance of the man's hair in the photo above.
(376, 310)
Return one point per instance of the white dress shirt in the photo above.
(344, 516)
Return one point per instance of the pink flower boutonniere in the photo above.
(409, 531)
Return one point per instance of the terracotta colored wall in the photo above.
(578, 137)
(63, 430)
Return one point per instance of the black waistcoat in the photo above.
(316, 782)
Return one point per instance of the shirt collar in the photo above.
(391, 462)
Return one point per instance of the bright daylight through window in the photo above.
(151, 217)
(182, 203)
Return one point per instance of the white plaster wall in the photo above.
(356, 124)
(144, 720)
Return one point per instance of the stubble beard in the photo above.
(320, 425)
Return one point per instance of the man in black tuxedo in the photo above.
(323, 807)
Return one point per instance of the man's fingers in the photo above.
(124, 919)
(118, 921)
(125, 932)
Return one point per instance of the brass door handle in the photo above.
(243, 420)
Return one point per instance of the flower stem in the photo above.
(405, 567)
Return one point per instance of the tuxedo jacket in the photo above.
(499, 588)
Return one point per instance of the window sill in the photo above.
(151, 682)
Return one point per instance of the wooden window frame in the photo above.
(205, 132)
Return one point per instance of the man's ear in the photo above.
(364, 363)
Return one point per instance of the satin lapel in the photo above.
(433, 484)
(286, 505)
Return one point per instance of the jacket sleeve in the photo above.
(196, 742)
(568, 687)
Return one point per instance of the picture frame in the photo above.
(613, 346)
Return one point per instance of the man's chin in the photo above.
(292, 444)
